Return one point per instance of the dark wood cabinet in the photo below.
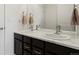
(27, 53)
(17, 36)
(49, 53)
(17, 47)
(37, 51)
(57, 49)
(27, 39)
(73, 52)
(24, 45)
(38, 43)
(27, 46)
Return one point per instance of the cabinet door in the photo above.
(57, 49)
(27, 46)
(38, 43)
(74, 52)
(49, 53)
(17, 36)
(27, 39)
(37, 51)
(17, 47)
(27, 53)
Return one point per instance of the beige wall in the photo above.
(38, 12)
(60, 14)
(65, 16)
(50, 15)
(13, 16)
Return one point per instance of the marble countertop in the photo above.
(40, 34)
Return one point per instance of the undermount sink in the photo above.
(58, 36)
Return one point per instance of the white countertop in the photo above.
(73, 42)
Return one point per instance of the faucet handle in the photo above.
(37, 26)
(31, 27)
(59, 27)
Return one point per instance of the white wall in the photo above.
(50, 15)
(60, 14)
(38, 12)
(13, 15)
(2, 31)
(65, 16)
(12, 23)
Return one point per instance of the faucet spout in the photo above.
(58, 29)
(31, 27)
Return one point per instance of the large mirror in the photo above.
(58, 14)
(50, 15)
(44, 15)
(64, 13)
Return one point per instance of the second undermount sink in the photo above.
(58, 36)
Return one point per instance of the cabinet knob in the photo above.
(38, 52)
(27, 47)
(1, 28)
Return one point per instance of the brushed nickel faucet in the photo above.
(37, 27)
(58, 29)
(31, 27)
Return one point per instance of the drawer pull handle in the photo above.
(26, 47)
(38, 52)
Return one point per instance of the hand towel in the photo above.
(30, 19)
(24, 19)
(75, 17)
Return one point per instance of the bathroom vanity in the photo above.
(35, 43)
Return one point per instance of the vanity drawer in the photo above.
(27, 39)
(27, 46)
(18, 47)
(49, 53)
(74, 52)
(17, 36)
(27, 53)
(37, 51)
(57, 49)
(38, 43)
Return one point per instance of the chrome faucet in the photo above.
(37, 27)
(58, 29)
(31, 27)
